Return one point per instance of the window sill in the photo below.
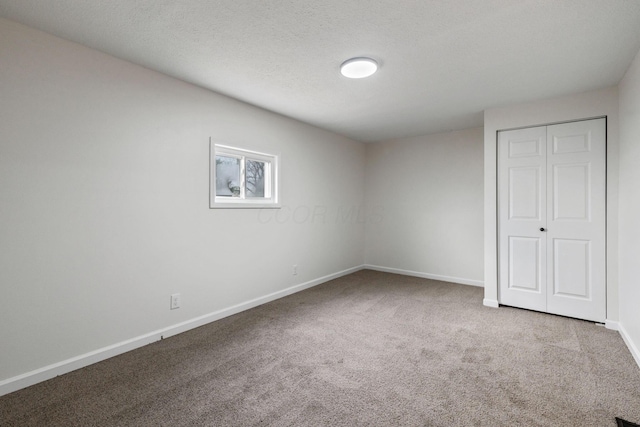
(245, 206)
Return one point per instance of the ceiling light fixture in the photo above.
(357, 68)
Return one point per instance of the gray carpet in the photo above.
(369, 349)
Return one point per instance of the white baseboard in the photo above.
(42, 374)
(425, 275)
(633, 348)
(490, 303)
(611, 324)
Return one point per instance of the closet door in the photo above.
(522, 177)
(576, 191)
(552, 219)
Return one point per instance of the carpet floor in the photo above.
(368, 349)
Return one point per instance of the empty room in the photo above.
(320, 213)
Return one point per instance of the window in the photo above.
(242, 178)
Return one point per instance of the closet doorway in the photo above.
(551, 218)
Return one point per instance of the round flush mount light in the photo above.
(358, 68)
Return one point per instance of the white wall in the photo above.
(572, 107)
(629, 275)
(104, 203)
(424, 199)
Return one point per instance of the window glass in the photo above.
(255, 178)
(227, 176)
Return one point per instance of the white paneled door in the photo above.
(551, 214)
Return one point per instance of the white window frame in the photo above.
(242, 202)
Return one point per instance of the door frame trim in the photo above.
(575, 106)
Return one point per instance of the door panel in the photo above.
(524, 193)
(524, 263)
(525, 147)
(571, 268)
(571, 192)
(572, 142)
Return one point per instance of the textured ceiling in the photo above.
(442, 61)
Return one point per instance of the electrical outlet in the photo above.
(175, 301)
(294, 271)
